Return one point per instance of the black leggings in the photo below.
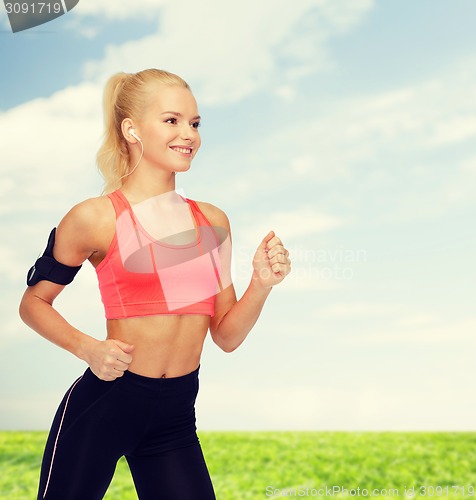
(151, 421)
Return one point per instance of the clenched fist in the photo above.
(109, 359)
(271, 261)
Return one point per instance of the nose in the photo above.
(186, 132)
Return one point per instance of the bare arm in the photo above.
(234, 319)
(77, 238)
(36, 310)
(237, 322)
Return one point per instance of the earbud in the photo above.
(133, 133)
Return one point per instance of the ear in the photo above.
(126, 125)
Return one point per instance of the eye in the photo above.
(172, 121)
(195, 125)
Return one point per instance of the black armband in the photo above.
(48, 268)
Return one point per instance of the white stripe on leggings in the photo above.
(57, 435)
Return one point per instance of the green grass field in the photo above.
(261, 465)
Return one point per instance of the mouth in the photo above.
(185, 150)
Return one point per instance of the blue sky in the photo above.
(347, 127)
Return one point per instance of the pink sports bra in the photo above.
(141, 276)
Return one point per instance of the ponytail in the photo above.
(125, 96)
(113, 156)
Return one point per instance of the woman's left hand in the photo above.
(271, 262)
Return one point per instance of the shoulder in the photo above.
(215, 215)
(88, 213)
(83, 228)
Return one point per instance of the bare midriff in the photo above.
(164, 345)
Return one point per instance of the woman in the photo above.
(162, 263)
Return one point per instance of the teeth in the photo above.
(183, 150)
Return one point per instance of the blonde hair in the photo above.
(125, 96)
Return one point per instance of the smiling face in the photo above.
(169, 128)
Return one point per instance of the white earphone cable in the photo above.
(138, 161)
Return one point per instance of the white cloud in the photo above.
(62, 133)
(231, 50)
(424, 115)
(380, 146)
(456, 129)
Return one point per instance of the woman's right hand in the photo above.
(108, 359)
